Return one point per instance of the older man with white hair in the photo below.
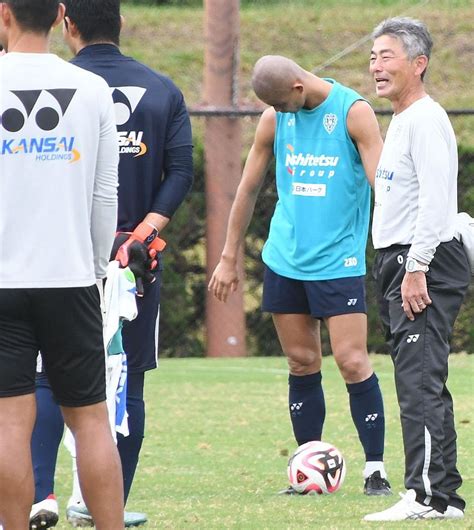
(421, 269)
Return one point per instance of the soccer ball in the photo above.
(316, 467)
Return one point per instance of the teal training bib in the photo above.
(319, 227)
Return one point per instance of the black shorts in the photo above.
(318, 298)
(65, 324)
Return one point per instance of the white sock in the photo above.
(371, 467)
(76, 496)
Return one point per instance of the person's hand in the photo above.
(139, 258)
(224, 279)
(144, 233)
(415, 297)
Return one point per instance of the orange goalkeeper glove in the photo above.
(148, 235)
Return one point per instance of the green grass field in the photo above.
(218, 439)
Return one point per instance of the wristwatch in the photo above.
(411, 265)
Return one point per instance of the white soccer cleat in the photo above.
(406, 510)
(44, 514)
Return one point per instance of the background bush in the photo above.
(183, 315)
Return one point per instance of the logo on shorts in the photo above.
(330, 122)
(413, 338)
(352, 301)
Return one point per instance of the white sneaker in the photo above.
(44, 514)
(453, 513)
(406, 509)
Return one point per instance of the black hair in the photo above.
(34, 15)
(96, 20)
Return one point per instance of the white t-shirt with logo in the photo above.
(58, 173)
(416, 181)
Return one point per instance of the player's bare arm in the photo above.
(225, 278)
(364, 129)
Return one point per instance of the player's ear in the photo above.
(421, 63)
(122, 22)
(298, 87)
(60, 16)
(71, 27)
(5, 13)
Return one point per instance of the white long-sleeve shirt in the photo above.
(416, 181)
(58, 173)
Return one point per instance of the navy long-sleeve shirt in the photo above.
(155, 139)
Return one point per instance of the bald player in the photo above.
(326, 143)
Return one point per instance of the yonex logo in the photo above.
(352, 301)
(413, 338)
(371, 417)
(296, 406)
(126, 100)
(46, 118)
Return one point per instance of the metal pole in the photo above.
(223, 146)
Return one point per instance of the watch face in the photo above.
(410, 264)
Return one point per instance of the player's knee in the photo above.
(354, 366)
(303, 362)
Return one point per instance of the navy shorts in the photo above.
(66, 325)
(318, 298)
(140, 336)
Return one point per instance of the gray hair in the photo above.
(412, 33)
